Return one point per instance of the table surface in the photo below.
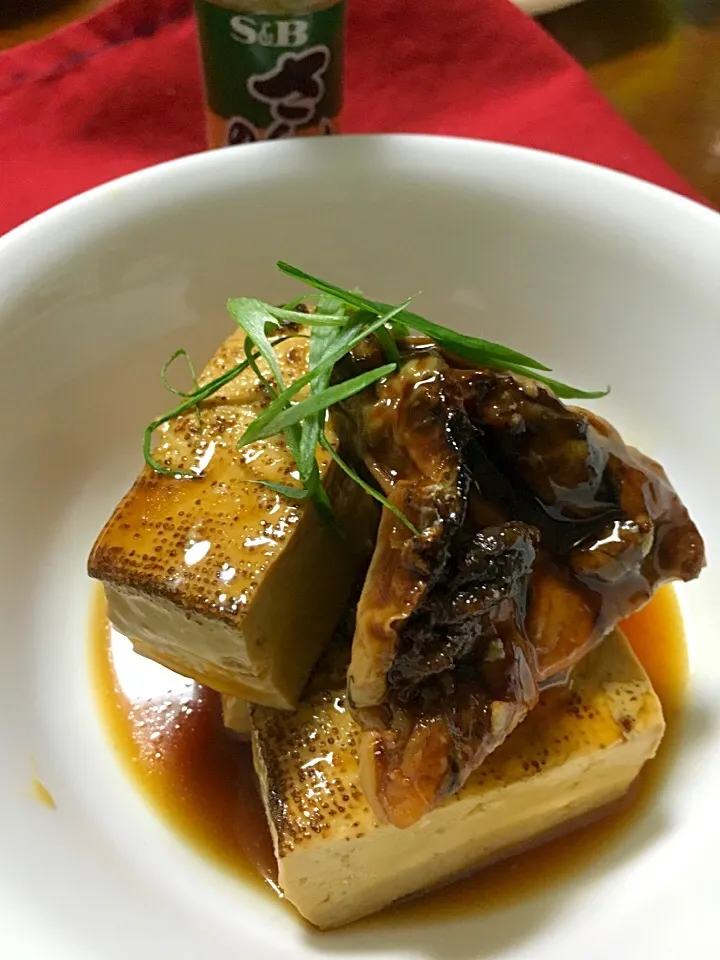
(657, 61)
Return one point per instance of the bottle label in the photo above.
(270, 76)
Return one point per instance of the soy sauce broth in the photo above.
(198, 776)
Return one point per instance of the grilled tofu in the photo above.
(236, 715)
(217, 577)
(578, 750)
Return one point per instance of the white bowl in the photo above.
(604, 277)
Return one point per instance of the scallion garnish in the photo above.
(326, 356)
(191, 402)
(314, 404)
(255, 319)
(182, 352)
(340, 320)
(469, 348)
(372, 491)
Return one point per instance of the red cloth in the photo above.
(122, 90)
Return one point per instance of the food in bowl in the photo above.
(395, 665)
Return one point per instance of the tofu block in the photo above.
(236, 715)
(217, 577)
(579, 749)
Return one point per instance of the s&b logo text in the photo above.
(278, 33)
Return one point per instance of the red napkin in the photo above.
(122, 90)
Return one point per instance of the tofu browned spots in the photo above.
(217, 577)
(579, 749)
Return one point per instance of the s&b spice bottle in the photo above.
(273, 68)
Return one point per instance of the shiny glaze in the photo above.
(458, 625)
(206, 542)
(169, 735)
(195, 563)
(579, 748)
(612, 526)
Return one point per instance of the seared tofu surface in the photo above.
(579, 749)
(218, 577)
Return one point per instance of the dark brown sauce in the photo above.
(169, 734)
